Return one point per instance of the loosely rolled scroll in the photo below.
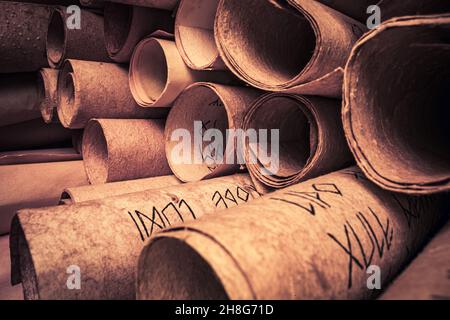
(107, 190)
(48, 82)
(158, 74)
(396, 116)
(300, 47)
(23, 30)
(320, 239)
(126, 25)
(311, 139)
(35, 185)
(193, 154)
(7, 292)
(159, 4)
(83, 42)
(194, 34)
(38, 156)
(118, 150)
(19, 98)
(104, 238)
(89, 90)
(428, 275)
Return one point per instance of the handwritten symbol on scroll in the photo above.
(231, 199)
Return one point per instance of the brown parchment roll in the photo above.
(212, 106)
(23, 30)
(300, 47)
(396, 116)
(159, 4)
(428, 275)
(118, 150)
(311, 139)
(158, 74)
(35, 185)
(33, 134)
(86, 43)
(194, 34)
(7, 292)
(89, 90)
(38, 156)
(314, 240)
(48, 82)
(107, 190)
(19, 98)
(104, 238)
(126, 25)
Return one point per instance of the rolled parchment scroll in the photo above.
(118, 150)
(104, 238)
(334, 237)
(311, 139)
(39, 156)
(48, 81)
(300, 47)
(203, 107)
(396, 116)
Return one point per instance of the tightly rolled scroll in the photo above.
(38, 156)
(23, 30)
(159, 4)
(428, 275)
(194, 34)
(118, 150)
(35, 185)
(89, 90)
(201, 108)
(48, 81)
(408, 101)
(85, 41)
(320, 239)
(300, 47)
(19, 98)
(107, 190)
(158, 74)
(311, 139)
(104, 238)
(126, 25)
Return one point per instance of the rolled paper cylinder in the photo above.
(311, 139)
(107, 190)
(85, 41)
(203, 107)
(158, 74)
(126, 25)
(35, 185)
(345, 238)
(33, 134)
(48, 81)
(89, 90)
(7, 292)
(104, 238)
(19, 98)
(23, 30)
(194, 34)
(159, 4)
(38, 156)
(118, 150)
(411, 153)
(300, 47)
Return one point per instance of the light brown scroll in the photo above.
(38, 156)
(48, 81)
(107, 190)
(86, 43)
(35, 185)
(311, 139)
(118, 150)
(159, 4)
(300, 47)
(19, 98)
(396, 115)
(126, 25)
(33, 134)
(201, 107)
(104, 238)
(194, 34)
(314, 240)
(89, 90)
(428, 275)
(158, 74)
(7, 292)
(22, 36)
